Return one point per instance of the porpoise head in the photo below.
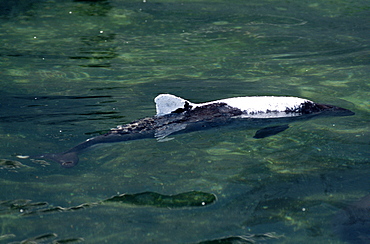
(331, 110)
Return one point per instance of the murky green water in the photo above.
(73, 69)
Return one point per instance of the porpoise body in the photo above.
(177, 115)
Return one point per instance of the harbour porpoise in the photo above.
(177, 115)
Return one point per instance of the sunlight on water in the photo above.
(72, 70)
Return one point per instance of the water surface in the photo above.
(74, 69)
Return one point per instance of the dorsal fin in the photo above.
(167, 103)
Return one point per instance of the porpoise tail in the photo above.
(66, 160)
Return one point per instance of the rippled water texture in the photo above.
(71, 70)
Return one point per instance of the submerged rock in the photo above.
(186, 199)
(11, 164)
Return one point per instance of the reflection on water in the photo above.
(353, 222)
(73, 69)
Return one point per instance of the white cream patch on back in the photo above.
(256, 106)
(263, 106)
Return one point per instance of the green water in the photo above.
(74, 69)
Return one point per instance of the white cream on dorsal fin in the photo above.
(167, 103)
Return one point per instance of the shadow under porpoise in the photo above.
(352, 224)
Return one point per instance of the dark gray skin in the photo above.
(186, 120)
